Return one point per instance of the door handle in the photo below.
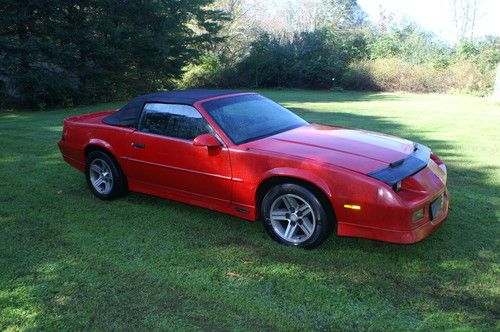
(138, 145)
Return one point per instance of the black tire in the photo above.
(117, 185)
(276, 197)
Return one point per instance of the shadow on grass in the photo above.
(72, 261)
(298, 96)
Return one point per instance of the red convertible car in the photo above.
(242, 154)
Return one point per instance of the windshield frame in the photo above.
(209, 114)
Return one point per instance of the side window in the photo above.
(179, 121)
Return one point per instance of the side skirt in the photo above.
(241, 211)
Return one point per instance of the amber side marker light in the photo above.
(353, 207)
(417, 215)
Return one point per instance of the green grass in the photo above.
(70, 261)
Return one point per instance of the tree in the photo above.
(465, 15)
(237, 31)
(285, 19)
(60, 52)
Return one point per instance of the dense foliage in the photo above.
(71, 52)
(62, 52)
(408, 59)
(403, 59)
(335, 47)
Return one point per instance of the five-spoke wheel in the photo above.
(104, 176)
(292, 218)
(294, 215)
(101, 176)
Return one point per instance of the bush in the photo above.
(466, 77)
(309, 60)
(394, 74)
(205, 73)
(403, 60)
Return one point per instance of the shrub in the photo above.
(394, 74)
(466, 77)
(309, 60)
(205, 73)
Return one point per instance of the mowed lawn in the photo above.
(70, 261)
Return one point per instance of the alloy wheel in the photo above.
(292, 218)
(101, 176)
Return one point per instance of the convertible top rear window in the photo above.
(246, 118)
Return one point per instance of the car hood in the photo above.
(358, 150)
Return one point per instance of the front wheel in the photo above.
(294, 216)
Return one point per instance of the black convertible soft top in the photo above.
(128, 115)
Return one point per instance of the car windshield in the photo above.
(245, 118)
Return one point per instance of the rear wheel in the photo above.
(104, 176)
(294, 216)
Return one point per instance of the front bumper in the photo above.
(410, 236)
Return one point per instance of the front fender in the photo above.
(298, 174)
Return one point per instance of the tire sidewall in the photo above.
(118, 177)
(322, 229)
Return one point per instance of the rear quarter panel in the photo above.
(87, 130)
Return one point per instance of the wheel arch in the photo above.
(319, 189)
(98, 145)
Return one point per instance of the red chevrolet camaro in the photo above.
(242, 154)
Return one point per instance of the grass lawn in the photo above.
(70, 261)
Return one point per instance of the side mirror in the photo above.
(207, 140)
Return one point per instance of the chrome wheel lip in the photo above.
(101, 176)
(292, 218)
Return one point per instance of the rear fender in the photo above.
(101, 144)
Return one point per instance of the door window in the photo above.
(173, 120)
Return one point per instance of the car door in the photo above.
(162, 155)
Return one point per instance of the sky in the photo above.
(436, 15)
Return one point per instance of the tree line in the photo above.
(82, 51)
(62, 53)
(329, 44)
